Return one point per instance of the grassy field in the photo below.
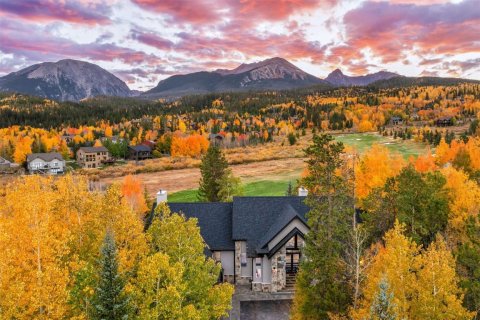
(361, 142)
(258, 188)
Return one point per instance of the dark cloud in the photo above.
(50, 10)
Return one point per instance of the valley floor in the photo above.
(265, 170)
(263, 178)
(278, 171)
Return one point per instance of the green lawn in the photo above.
(257, 188)
(363, 141)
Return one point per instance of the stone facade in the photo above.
(279, 275)
(238, 264)
(266, 287)
(238, 251)
(257, 286)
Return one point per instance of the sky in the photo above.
(145, 41)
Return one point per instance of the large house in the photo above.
(257, 240)
(45, 163)
(139, 152)
(92, 157)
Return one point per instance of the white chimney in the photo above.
(161, 196)
(302, 192)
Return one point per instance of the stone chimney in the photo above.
(161, 196)
(302, 192)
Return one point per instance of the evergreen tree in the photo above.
(213, 170)
(291, 138)
(290, 191)
(468, 264)
(110, 301)
(383, 307)
(418, 200)
(322, 283)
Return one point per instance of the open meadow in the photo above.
(268, 177)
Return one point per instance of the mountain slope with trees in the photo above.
(68, 79)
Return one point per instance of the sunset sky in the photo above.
(144, 41)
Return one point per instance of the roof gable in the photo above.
(283, 220)
(258, 218)
(281, 243)
(47, 157)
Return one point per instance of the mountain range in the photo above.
(338, 79)
(270, 74)
(75, 80)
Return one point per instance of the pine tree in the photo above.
(213, 169)
(383, 307)
(418, 200)
(110, 300)
(322, 286)
(289, 191)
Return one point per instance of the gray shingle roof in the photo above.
(214, 220)
(284, 218)
(255, 217)
(4, 161)
(93, 149)
(45, 156)
(256, 220)
(140, 148)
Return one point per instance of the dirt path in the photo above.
(184, 179)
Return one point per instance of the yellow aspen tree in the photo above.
(374, 168)
(464, 202)
(438, 295)
(22, 149)
(33, 252)
(394, 263)
(108, 131)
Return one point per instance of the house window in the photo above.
(243, 259)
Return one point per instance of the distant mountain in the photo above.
(270, 74)
(338, 79)
(398, 82)
(64, 80)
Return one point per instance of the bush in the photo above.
(292, 139)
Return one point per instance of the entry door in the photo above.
(293, 259)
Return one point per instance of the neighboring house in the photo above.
(4, 164)
(113, 139)
(139, 152)
(92, 157)
(45, 163)
(149, 143)
(444, 122)
(396, 121)
(68, 138)
(216, 138)
(257, 240)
